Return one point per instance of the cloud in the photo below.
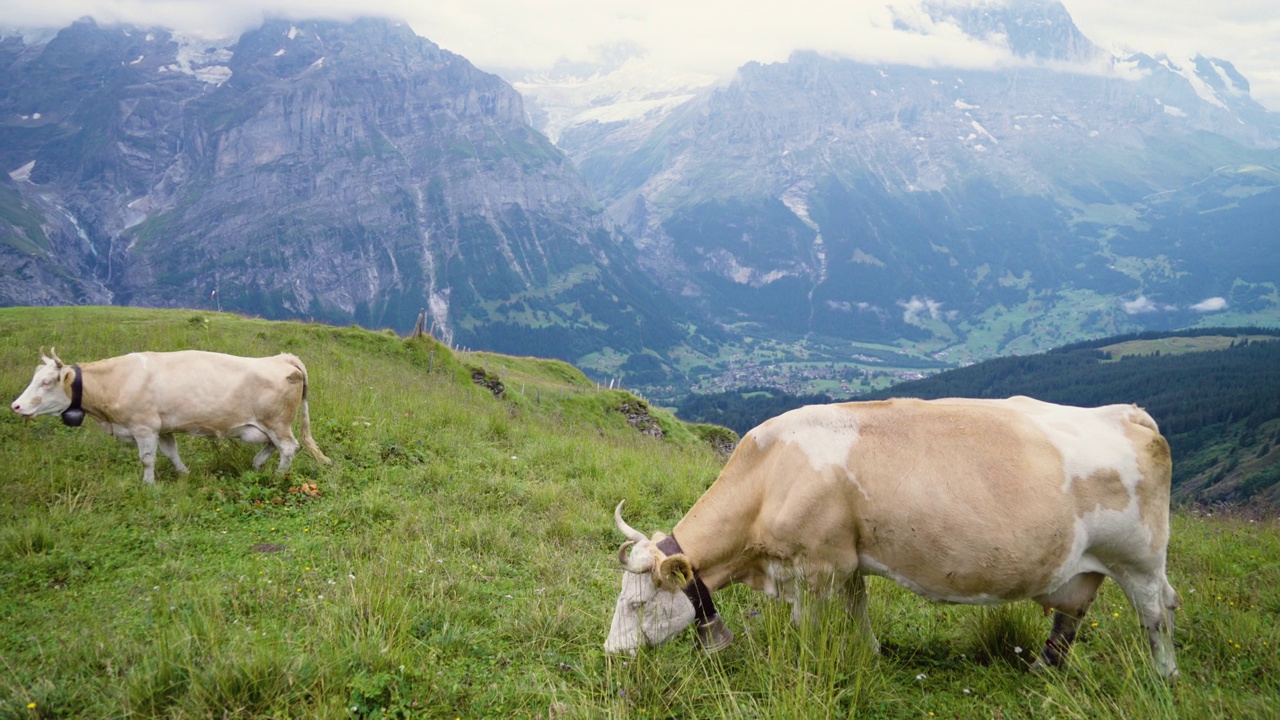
(913, 308)
(861, 307)
(1212, 304)
(716, 36)
(1139, 305)
(1143, 304)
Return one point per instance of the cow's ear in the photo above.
(68, 377)
(675, 571)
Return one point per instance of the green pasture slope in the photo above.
(459, 562)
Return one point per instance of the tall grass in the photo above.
(458, 561)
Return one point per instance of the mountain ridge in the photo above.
(351, 172)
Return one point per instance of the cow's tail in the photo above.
(305, 425)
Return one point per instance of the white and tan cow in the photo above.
(963, 501)
(148, 397)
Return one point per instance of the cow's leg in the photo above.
(260, 460)
(146, 440)
(254, 435)
(169, 446)
(797, 609)
(285, 443)
(855, 599)
(1069, 604)
(288, 448)
(1155, 600)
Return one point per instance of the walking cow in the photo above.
(147, 397)
(965, 501)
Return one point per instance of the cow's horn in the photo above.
(627, 530)
(54, 353)
(643, 565)
(622, 551)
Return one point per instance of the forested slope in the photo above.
(1220, 408)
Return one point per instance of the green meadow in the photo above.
(458, 560)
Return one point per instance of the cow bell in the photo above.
(713, 636)
(72, 417)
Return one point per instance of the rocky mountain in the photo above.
(1062, 194)
(342, 172)
(820, 220)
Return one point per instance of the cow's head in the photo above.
(652, 607)
(50, 390)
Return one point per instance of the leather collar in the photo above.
(696, 590)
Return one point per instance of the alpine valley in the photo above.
(821, 224)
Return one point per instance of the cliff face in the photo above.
(343, 172)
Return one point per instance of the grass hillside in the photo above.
(457, 560)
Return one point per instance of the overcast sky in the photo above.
(715, 36)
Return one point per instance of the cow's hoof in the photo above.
(1042, 666)
(713, 636)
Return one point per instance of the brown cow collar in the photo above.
(704, 610)
(74, 414)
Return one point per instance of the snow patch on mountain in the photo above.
(1228, 82)
(1186, 70)
(638, 89)
(23, 174)
(202, 58)
(978, 126)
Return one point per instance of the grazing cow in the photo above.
(957, 500)
(147, 397)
